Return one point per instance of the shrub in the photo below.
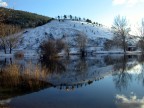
(49, 49)
(108, 44)
(19, 55)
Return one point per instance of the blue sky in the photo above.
(102, 11)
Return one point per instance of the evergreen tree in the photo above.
(89, 21)
(65, 17)
(71, 17)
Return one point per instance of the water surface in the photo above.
(102, 81)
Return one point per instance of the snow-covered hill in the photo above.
(31, 38)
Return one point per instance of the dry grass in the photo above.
(12, 75)
(35, 71)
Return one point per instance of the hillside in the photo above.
(33, 29)
(68, 31)
(22, 18)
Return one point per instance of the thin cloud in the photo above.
(118, 2)
(3, 4)
(127, 2)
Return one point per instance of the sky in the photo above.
(102, 11)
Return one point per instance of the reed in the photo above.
(13, 76)
(10, 75)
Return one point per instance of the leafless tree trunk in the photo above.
(13, 39)
(141, 35)
(3, 45)
(121, 31)
(67, 45)
(11, 43)
(82, 41)
(67, 49)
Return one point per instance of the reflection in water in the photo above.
(122, 79)
(79, 72)
(141, 75)
(76, 72)
(53, 65)
(81, 65)
(21, 77)
(13, 82)
(5, 61)
(129, 102)
(141, 58)
(4, 103)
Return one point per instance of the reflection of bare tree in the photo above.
(109, 60)
(141, 58)
(141, 75)
(53, 65)
(6, 61)
(82, 65)
(122, 79)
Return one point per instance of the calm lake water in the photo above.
(102, 81)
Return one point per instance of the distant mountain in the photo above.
(22, 18)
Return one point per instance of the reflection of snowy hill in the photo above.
(83, 72)
(78, 71)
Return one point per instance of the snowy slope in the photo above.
(31, 39)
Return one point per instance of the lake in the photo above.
(101, 81)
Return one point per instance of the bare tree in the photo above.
(8, 38)
(49, 49)
(141, 35)
(3, 45)
(81, 42)
(2, 37)
(67, 45)
(12, 39)
(108, 44)
(11, 43)
(67, 49)
(121, 31)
